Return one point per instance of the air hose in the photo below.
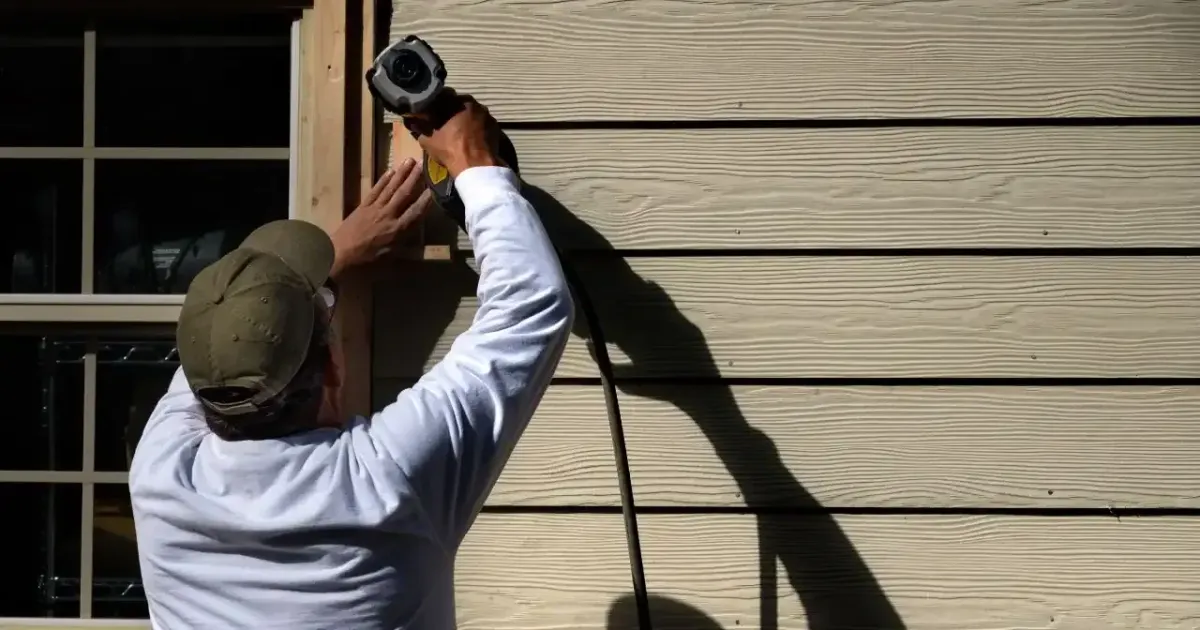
(599, 350)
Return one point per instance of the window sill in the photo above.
(100, 309)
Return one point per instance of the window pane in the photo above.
(131, 378)
(41, 88)
(116, 577)
(158, 223)
(41, 567)
(41, 253)
(45, 427)
(193, 84)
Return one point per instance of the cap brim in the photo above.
(303, 246)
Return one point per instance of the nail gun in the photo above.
(409, 79)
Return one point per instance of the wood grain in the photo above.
(851, 317)
(929, 572)
(752, 189)
(564, 457)
(587, 60)
(862, 447)
(556, 571)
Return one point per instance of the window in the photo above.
(132, 154)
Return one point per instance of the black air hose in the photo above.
(616, 429)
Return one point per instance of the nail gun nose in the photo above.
(408, 71)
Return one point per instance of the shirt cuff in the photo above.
(479, 185)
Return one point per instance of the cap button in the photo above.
(235, 337)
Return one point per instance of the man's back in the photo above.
(357, 527)
(305, 532)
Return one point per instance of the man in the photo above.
(257, 505)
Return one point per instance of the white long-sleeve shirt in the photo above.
(357, 528)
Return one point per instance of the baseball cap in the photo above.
(247, 320)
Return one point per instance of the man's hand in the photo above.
(398, 201)
(467, 135)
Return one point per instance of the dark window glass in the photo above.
(44, 428)
(42, 240)
(41, 88)
(225, 84)
(41, 570)
(116, 577)
(131, 378)
(158, 223)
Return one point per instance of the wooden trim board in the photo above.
(334, 158)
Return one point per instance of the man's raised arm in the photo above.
(452, 433)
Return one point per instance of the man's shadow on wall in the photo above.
(833, 584)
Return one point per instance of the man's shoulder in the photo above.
(169, 438)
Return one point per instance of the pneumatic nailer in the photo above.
(409, 79)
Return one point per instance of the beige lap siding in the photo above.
(955, 429)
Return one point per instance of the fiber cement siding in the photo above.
(900, 345)
(670, 60)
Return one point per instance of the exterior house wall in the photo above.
(902, 296)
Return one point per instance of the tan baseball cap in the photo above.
(247, 320)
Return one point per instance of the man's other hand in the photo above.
(398, 201)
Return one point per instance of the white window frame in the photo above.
(113, 310)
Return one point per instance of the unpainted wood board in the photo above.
(590, 60)
(968, 187)
(852, 317)
(928, 572)
(559, 571)
(861, 447)
(564, 457)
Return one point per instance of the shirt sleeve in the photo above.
(454, 430)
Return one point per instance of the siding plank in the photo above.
(862, 447)
(914, 447)
(865, 188)
(930, 572)
(555, 571)
(852, 317)
(564, 457)
(545, 571)
(588, 60)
